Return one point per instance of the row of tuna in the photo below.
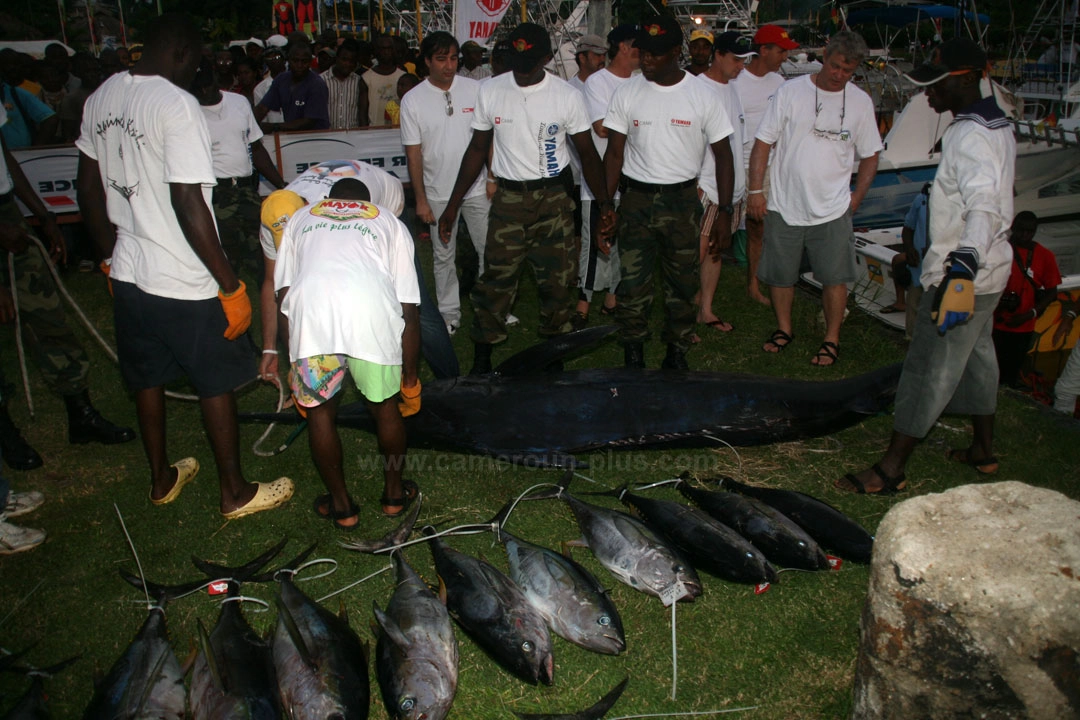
(314, 665)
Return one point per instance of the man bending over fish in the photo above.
(347, 296)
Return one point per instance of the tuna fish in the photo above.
(775, 534)
(416, 656)
(33, 705)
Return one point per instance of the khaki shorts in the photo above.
(829, 246)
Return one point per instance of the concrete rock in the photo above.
(973, 608)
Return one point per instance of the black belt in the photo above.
(7, 197)
(626, 183)
(527, 185)
(246, 181)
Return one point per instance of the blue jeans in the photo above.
(435, 343)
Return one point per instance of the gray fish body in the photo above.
(145, 683)
(31, 706)
(495, 613)
(772, 532)
(416, 656)
(567, 595)
(332, 681)
(709, 544)
(632, 552)
(246, 667)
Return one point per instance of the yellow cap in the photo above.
(277, 208)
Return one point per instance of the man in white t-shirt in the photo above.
(237, 150)
(598, 271)
(660, 125)
(436, 122)
(274, 57)
(730, 50)
(348, 294)
(530, 117)
(756, 87)
(145, 174)
(820, 125)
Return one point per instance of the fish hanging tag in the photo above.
(673, 593)
(762, 587)
(217, 588)
(834, 562)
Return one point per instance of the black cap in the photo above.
(658, 34)
(952, 57)
(621, 33)
(529, 45)
(733, 42)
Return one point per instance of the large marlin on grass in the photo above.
(523, 415)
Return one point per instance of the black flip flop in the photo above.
(412, 490)
(890, 485)
(331, 514)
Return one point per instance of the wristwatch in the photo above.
(729, 209)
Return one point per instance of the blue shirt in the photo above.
(17, 132)
(916, 221)
(308, 99)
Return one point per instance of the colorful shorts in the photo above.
(316, 379)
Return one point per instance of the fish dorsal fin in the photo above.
(390, 628)
(294, 632)
(342, 612)
(208, 653)
(441, 594)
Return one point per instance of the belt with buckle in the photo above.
(626, 183)
(527, 185)
(246, 181)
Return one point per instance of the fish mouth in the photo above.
(547, 670)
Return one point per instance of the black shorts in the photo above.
(162, 339)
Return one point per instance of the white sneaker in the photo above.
(21, 503)
(15, 539)
(511, 320)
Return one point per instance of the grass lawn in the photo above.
(790, 651)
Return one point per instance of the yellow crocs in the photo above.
(186, 470)
(267, 497)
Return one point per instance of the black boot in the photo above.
(675, 358)
(17, 452)
(85, 423)
(634, 355)
(481, 359)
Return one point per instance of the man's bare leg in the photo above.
(783, 298)
(219, 419)
(325, 444)
(755, 238)
(390, 431)
(150, 409)
(834, 302)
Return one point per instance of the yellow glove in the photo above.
(954, 303)
(410, 400)
(237, 309)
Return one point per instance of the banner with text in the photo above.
(477, 19)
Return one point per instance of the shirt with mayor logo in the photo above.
(348, 265)
(530, 124)
(667, 128)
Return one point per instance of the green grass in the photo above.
(790, 651)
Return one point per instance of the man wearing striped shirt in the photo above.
(348, 100)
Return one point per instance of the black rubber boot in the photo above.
(481, 359)
(17, 452)
(675, 359)
(85, 423)
(634, 355)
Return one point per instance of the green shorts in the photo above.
(316, 379)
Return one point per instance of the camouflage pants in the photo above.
(658, 227)
(237, 212)
(535, 226)
(53, 347)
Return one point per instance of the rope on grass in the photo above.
(688, 713)
(354, 584)
(138, 563)
(730, 447)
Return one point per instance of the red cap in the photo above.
(774, 35)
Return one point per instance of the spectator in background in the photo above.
(247, 77)
(88, 70)
(324, 59)
(347, 91)
(123, 56)
(382, 80)
(701, 50)
(30, 121)
(405, 83)
(1067, 387)
(298, 93)
(472, 62)
(56, 57)
(224, 71)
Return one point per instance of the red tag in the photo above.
(217, 588)
(834, 562)
(762, 588)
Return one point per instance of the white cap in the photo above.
(278, 41)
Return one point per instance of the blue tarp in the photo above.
(902, 16)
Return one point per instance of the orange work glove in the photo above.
(237, 309)
(410, 400)
(107, 268)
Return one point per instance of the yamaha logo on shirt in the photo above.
(680, 123)
(468, 110)
(553, 129)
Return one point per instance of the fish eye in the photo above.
(527, 646)
(678, 568)
(407, 704)
(604, 620)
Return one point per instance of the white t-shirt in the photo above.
(575, 161)
(232, 129)
(754, 94)
(6, 185)
(348, 265)
(381, 90)
(814, 153)
(599, 87)
(667, 128)
(531, 125)
(442, 138)
(314, 185)
(729, 99)
(145, 133)
(273, 116)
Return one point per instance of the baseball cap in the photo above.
(278, 41)
(701, 35)
(593, 43)
(621, 33)
(953, 57)
(328, 51)
(774, 35)
(733, 42)
(659, 34)
(276, 210)
(529, 44)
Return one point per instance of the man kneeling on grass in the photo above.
(347, 296)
